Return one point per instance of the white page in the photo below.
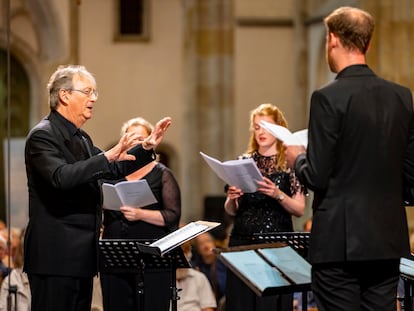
(242, 173)
(255, 269)
(135, 193)
(302, 136)
(216, 166)
(287, 260)
(183, 234)
(283, 134)
(111, 199)
(407, 266)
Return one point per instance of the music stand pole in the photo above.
(139, 279)
(304, 301)
(174, 290)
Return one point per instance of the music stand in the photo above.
(299, 241)
(407, 275)
(134, 256)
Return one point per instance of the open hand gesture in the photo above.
(157, 134)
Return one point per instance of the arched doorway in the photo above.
(19, 115)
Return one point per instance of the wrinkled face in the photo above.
(80, 100)
(263, 138)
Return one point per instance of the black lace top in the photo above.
(259, 213)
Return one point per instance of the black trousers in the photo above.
(354, 286)
(52, 293)
(131, 292)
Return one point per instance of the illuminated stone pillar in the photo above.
(392, 51)
(208, 97)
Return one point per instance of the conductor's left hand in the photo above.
(157, 134)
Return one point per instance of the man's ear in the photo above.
(63, 96)
(334, 40)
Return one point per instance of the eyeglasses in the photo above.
(87, 92)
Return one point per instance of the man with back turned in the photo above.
(360, 148)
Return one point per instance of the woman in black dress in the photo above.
(146, 223)
(270, 209)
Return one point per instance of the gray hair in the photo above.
(136, 122)
(62, 78)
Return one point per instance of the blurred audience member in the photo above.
(18, 285)
(196, 293)
(8, 259)
(205, 260)
(307, 226)
(4, 270)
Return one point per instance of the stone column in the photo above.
(301, 65)
(392, 50)
(208, 98)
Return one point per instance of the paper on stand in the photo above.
(268, 270)
(283, 134)
(182, 235)
(298, 270)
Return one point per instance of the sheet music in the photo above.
(289, 262)
(283, 134)
(136, 193)
(407, 266)
(242, 173)
(255, 269)
(182, 235)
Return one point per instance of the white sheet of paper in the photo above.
(135, 193)
(285, 135)
(183, 234)
(242, 173)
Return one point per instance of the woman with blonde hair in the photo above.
(147, 223)
(279, 196)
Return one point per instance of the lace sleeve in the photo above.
(171, 197)
(295, 184)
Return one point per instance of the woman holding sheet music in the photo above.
(279, 196)
(146, 223)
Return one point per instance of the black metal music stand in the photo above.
(268, 269)
(134, 256)
(299, 241)
(407, 275)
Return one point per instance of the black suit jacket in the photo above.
(65, 199)
(360, 133)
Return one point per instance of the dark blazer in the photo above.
(360, 127)
(65, 199)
